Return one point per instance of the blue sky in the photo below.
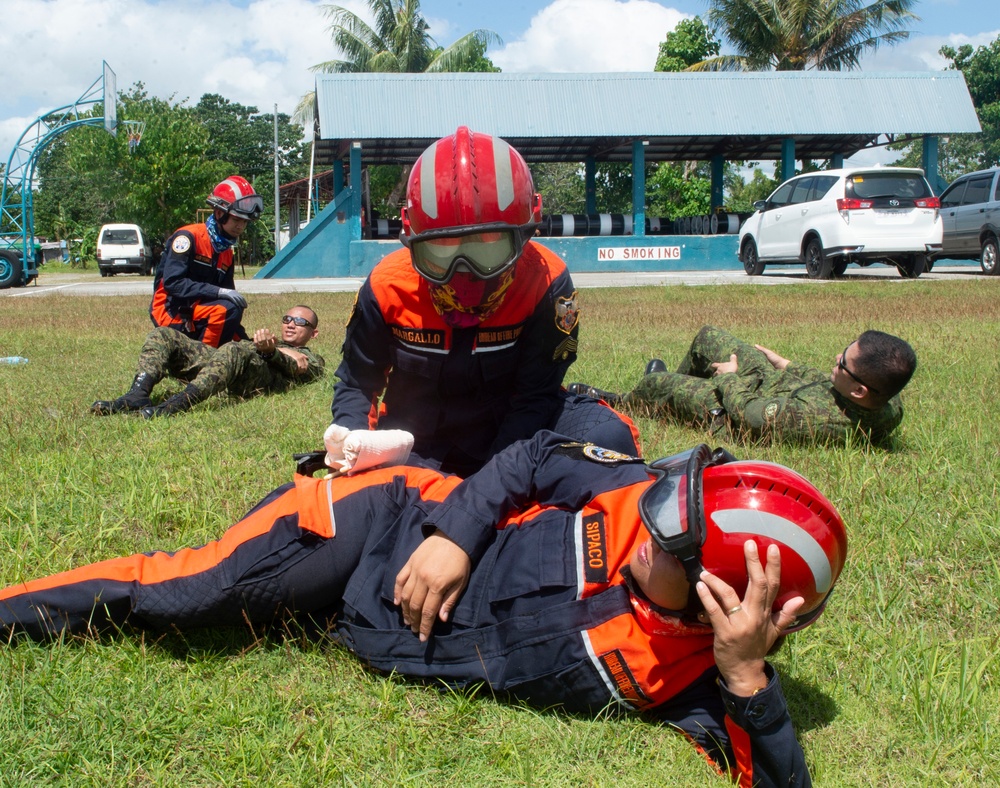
(258, 52)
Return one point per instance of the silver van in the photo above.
(122, 248)
(970, 208)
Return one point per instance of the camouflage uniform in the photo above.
(236, 367)
(798, 403)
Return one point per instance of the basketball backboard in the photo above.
(110, 101)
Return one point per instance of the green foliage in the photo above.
(793, 35)
(561, 185)
(689, 43)
(896, 685)
(89, 178)
(676, 189)
(982, 74)
(740, 195)
(399, 42)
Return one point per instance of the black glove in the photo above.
(232, 295)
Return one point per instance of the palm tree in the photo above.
(795, 35)
(398, 42)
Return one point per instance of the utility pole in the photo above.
(277, 195)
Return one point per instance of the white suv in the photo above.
(122, 248)
(860, 215)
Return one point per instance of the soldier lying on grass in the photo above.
(245, 369)
(725, 382)
(561, 574)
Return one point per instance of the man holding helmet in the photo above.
(194, 290)
(463, 337)
(563, 574)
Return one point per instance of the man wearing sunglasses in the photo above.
(724, 382)
(266, 364)
(463, 337)
(562, 574)
(194, 290)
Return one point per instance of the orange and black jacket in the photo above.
(547, 617)
(191, 271)
(475, 389)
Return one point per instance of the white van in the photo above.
(123, 248)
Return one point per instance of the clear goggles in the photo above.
(249, 207)
(485, 250)
(672, 509)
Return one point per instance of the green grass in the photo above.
(898, 684)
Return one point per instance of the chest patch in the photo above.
(608, 456)
(181, 244)
(595, 560)
(567, 313)
(622, 677)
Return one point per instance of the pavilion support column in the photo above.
(787, 158)
(718, 195)
(930, 159)
(837, 161)
(590, 185)
(639, 188)
(355, 209)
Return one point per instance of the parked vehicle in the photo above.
(830, 219)
(122, 248)
(970, 210)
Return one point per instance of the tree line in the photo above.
(87, 178)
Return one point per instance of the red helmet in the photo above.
(706, 505)
(469, 200)
(235, 195)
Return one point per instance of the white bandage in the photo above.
(351, 451)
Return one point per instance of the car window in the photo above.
(821, 185)
(803, 186)
(996, 191)
(977, 191)
(953, 195)
(781, 194)
(120, 237)
(865, 185)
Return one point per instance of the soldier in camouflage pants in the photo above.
(724, 382)
(241, 368)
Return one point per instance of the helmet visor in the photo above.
(487, 254)
(249, 207)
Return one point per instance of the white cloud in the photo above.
(591, 35)
(256, 52)
(920, 53)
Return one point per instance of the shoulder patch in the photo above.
(181, 243)
(771, 410)
(567, 313)
(594, 453)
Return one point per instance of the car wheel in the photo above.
(988, 259)
(104, 272)
(913, 266)
(11, 271)
(751, 262)
(840, 267)
(817, 264)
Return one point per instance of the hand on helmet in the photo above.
(745, 630)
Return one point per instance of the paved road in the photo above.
(89, 284)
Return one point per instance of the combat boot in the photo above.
(178, 403)
(136, 398)
(584, 390)
(655, 365)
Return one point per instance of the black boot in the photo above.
(584, 390)
(178, 403)
(655, 365)
(136, 398)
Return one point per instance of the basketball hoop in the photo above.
(135, 130)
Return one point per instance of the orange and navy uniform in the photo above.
(186, 289)
(548, 616)
(466, 393)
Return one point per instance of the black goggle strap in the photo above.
(689, 554)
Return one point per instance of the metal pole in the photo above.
(277, 207)
(309, 193)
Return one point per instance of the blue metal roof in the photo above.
(565, 117)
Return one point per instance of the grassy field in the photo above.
(898, 684)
